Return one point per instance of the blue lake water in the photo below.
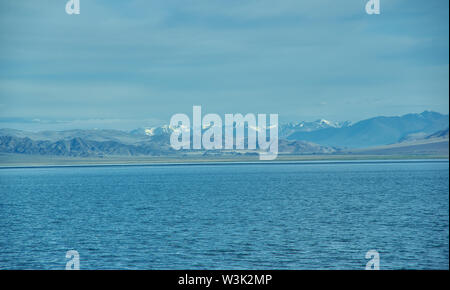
(280, 216)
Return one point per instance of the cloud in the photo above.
(141, 59)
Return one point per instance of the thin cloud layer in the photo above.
(137, 60)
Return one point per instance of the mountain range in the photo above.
(318, 137)
(376, 131)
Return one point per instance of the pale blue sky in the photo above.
(126, 64)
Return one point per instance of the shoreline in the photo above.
(11, 162)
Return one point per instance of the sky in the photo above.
(135, 63)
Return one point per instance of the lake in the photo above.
(310, 215)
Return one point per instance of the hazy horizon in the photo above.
(129, 125)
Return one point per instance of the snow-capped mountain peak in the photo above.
(284, 129)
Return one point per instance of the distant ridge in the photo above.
(376, 131)
(428, 130)
(439, 134)
(79, 147)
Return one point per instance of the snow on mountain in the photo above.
(284, 129)
(290, 128)
(156, 131)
